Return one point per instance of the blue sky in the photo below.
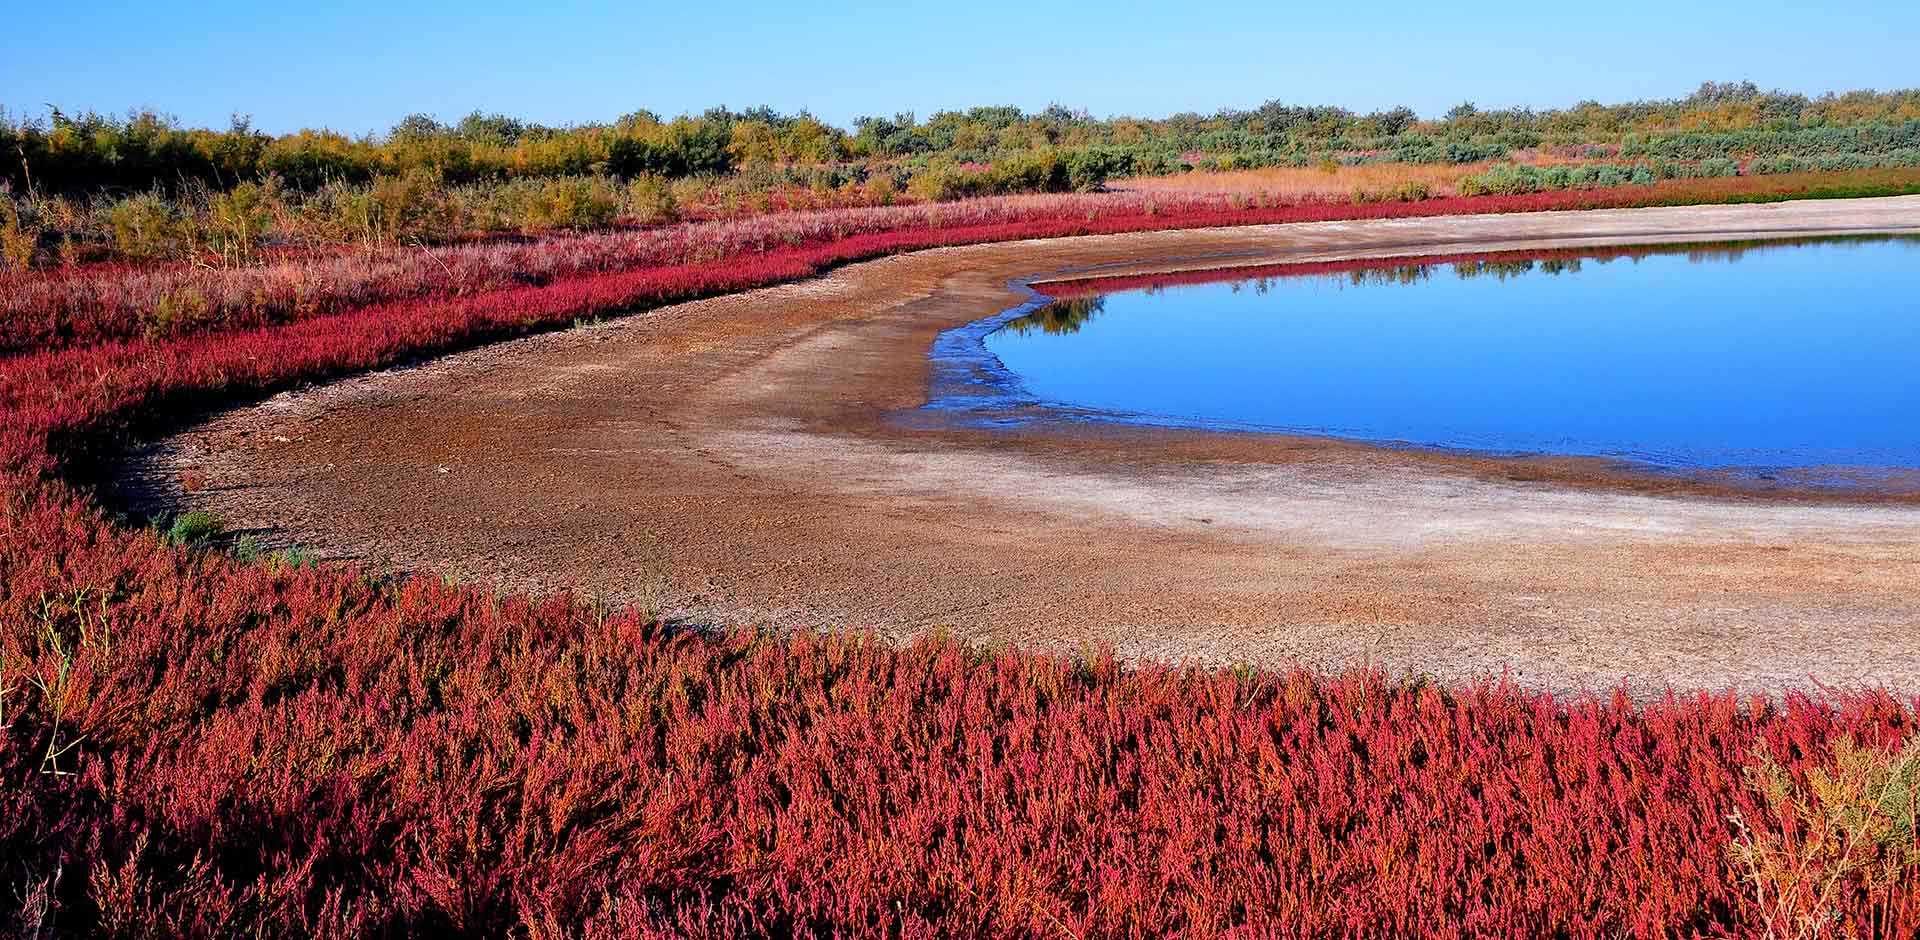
(361, 66)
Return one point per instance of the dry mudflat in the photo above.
(745, 460)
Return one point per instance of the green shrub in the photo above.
(178, 310)
(539, 205)
(1411, 191)
(570, 202)
(195, 528)
(1848, 827)
(936, 184)
(880, 189)
(147, 226)
(1514, 179)
(1504, 179)
(411, 207)
(19, 240)
(650, 200)
(1156, 163)
(1041, 171)
(1088, 170)
(238, 221)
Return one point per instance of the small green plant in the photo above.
(56, 693)
(7, 689)
(19, 239)
(570, 202)
(177, 311)
(1410, 191)
(1847, 828)
(880, 189)
(147, 226)
(1719, 166)
(239, 220)
(411, 207)
(195, 528)
(650, 200)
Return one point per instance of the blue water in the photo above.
(1777, 357)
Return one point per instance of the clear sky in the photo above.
(361, 66)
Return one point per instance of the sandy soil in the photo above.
(744, 459)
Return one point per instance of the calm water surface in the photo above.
(1777, 357)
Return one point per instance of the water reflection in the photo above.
(1060, 317)
(1799, 355)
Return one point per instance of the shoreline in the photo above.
(741, 460)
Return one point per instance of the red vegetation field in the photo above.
(192, 745)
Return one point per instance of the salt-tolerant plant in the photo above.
(54, 678)
(1411, 191)
(1844, 829)
(9, 684)
(239, 220)
(194, 528)
(19, 239)
(650, 200)
(147, 226)
(248, 548)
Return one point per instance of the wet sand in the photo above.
(760, 458)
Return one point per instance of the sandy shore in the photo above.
(745, 459)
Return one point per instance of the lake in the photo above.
(1784, 356)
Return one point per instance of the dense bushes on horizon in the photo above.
(89, 152)
(1514, 178)
(1874, 138)
(85, 188)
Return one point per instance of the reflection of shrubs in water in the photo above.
(1060, 317)
(1391, 275)
(1501, 270)
(1397, 275)
(1066, 316)
(1504, 268)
